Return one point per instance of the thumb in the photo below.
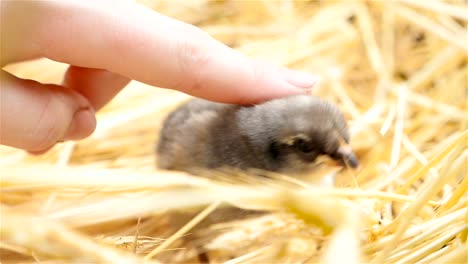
(36, 116)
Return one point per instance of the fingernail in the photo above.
(82, 124)
(301, 79)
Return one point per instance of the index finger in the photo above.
(138, 43)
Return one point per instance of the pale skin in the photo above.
(107, 44)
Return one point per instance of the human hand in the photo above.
(108, 45)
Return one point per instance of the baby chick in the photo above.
(282, 135)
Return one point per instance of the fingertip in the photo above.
(301, 80)
(278, 83)
(245, 81)
(270, 81)
(82, 125)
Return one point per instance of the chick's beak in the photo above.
(347, 155)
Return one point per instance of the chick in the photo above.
(282, 135)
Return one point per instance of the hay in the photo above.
(398, 69)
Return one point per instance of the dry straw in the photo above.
(398, 69)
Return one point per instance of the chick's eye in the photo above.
(303, 146)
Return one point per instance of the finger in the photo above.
(35, 116)
(143, 45)
(98, 86)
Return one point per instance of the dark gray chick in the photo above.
(282, 135)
